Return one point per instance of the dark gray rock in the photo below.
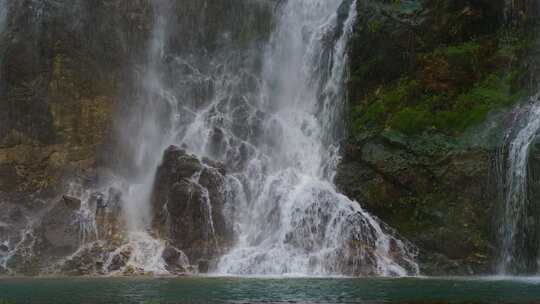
(120, 260)
(188, 202)
(433, 192)
(203, 266)
(59, 233)
(88, 261)
(72, 203)
(176, 261)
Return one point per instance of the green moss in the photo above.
(410, 120)
(374, 26)
(360, 74)
(461, 54)
(471, 107)
(369, 117)
(412, 106)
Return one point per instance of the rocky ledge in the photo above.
(85, 232)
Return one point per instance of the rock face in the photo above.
(441, 199)
(60, 81)
(424, 76)
(69, 72)
(54, 235)
(59, 230)
(188, 203)
(71, 235)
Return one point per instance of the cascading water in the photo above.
(515, 228)
(296, 222)
(148, 138)
(272, 112)
(277, 135)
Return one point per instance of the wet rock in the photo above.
(176, 261)
(87, 261)
(59, 86)
(72, 203)
(217, 142)
(108, 218)
(10, 179)
(434, 193)
(59, 230)
(216, 165)
(15, 214)
(188, 204)
(203, 266)
(120, 260)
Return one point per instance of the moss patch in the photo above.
(451, 89)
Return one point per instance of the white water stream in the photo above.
(278, 135)
(515, 217)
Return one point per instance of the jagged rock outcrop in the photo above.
(188, 203)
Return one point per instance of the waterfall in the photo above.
(278, 133)
(516, 225)
(272, 111)
(144, 129)
(296, 222)
(147, 130)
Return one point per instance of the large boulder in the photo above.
(188, 200)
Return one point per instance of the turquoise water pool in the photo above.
(269, 290)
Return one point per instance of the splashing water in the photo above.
(24, 247)
(147, 143)
(85, 217)
(515, 218)
(278, 135)
(296, 222)
(145, 255)
(147, 138)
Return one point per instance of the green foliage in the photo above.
(374, 26)
(410, 120)
(395, 109)
(369, 117)
(462, 54)
(432, 101)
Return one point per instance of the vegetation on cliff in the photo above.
(424, 77)
(449, 65)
